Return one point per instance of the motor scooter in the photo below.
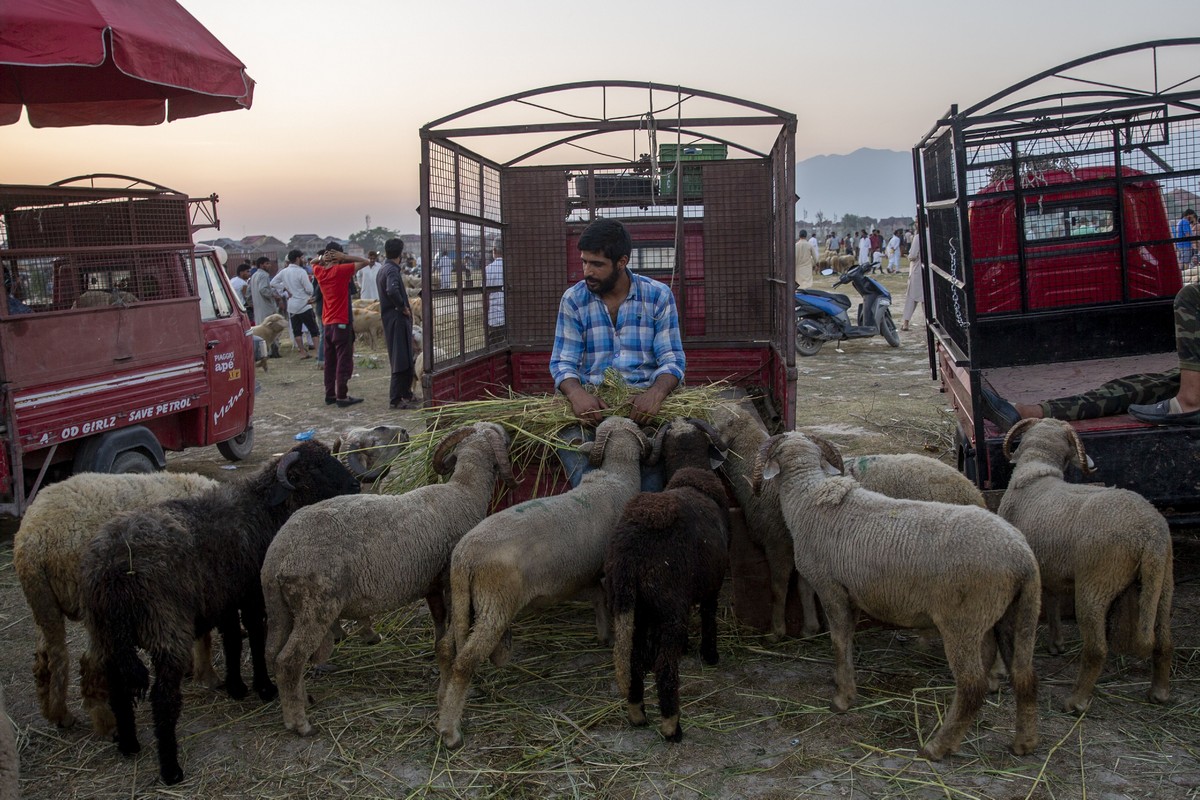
(824, 316)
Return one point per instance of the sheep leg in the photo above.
(436, 600)
(672, 637)
(970, 688)
(603, 619)
(1016, 637)
(641, 652)
(51, 667)
(120, 700)
(840, 615)
(1160, 680)
(94, 688)
(1053, 604)
(708, 629)
(254, 617)
(503, 651)
(446, 652)
(781, 565)
(1089, 613)
(51, 659)
(166, 701)
(480, 643)
(231, 640)
(202, 668)
(307, 636)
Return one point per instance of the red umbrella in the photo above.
(112, 62)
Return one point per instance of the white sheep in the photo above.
(535, 553)
(914, 564)
(903, 476)
(362, 555)
(58, 525)
(1093, 543)
(911, 476)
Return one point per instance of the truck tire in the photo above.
(132, 461)
(887, 329)
(239, 447)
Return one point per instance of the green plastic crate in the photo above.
(693, 185)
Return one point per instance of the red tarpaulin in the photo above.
(112, 62)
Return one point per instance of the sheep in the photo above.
(268, 331)
(911, 476)
(369, 451)
(360, 556)
(670, 551)
(156, 577)
(10, 764)
(365, 305)
(535, 553)
(47, 549)
(910, 563)
(368, 325)
(765, 526)
(1093, 543)
(98, 298)
(902, 476)
(415, 305)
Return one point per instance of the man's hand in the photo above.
(585, 406)
(646, 406)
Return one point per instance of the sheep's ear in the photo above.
(770, 469)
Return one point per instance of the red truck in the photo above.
(119, 338)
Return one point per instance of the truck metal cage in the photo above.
(704, 182)
(1048, 217)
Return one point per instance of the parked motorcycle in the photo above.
(824, 316)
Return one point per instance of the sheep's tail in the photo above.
(1152, 572)
(622, 600)
(112, 614)
(1017, 631)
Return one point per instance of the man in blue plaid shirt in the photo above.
(614, 318)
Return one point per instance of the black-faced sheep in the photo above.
(55, 531)
(158, 577)
(369, 451)
(914, 564)
(535, 553)
(10, 764)
(365, 555)
(670, 551)
(1093, 543)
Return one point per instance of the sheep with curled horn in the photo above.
(355, 557)
(535, 553)
(369, 451)
(914, 564)
(157, 577)
(1108, 548)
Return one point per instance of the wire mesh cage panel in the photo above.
(65, 248)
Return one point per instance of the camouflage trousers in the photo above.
(1117, 395)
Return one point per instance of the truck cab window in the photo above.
(1066, 222)
(214, 303)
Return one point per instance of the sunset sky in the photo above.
(344, 87)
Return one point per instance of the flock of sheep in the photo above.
(154, 563)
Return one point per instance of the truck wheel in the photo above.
(807, 346)
(238, 447)
(132, 461)
(887, 329)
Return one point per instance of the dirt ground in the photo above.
(550, 724)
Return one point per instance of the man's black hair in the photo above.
(294, 254)
(1189, 211)
(258, 262)
(334, 246)
(606, 236)
(243, 267)
(393, 247)
(803, 234)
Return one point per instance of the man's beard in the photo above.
(605, 286)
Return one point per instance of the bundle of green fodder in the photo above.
(533, 422)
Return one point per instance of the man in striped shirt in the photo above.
(614, 318)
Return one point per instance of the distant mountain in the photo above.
(872, 183)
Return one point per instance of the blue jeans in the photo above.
(577, 464)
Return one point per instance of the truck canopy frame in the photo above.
(705, 183)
